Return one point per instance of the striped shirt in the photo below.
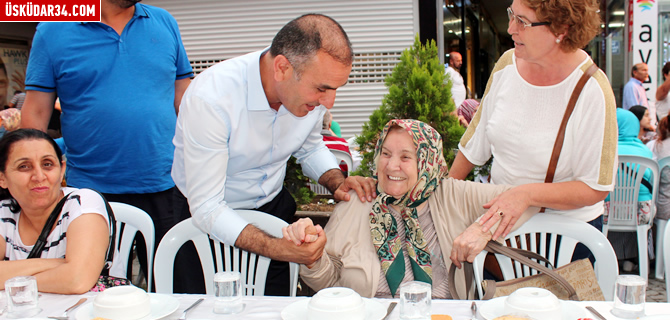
(440, 288)
(17, 100)
(79, 201)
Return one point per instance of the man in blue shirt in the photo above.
(120, 83)
(633, 92)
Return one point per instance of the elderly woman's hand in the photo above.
(506, 208)
(469, 244)
(302, 231)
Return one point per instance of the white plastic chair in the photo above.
(130, 220)
(216, 256)
(661, 223)
(343, 156)
(666, 257)
(540, 234)
(624, 203)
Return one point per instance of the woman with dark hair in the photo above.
(647, 130)
(31, 172)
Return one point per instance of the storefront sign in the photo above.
(643, 15)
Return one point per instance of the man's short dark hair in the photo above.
(301, 38)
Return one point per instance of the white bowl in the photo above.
(536, 303)
(121, 303)
(336, 304)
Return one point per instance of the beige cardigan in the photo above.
(351, 260)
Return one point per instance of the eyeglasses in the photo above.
(521, 22)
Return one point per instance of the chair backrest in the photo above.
(216, 256)
(343, 156)
(130, 220)
(624, 198)
(555, 237)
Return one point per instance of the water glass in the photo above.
(629, 296)
(415, 300)
(228, 292)
(22, 297)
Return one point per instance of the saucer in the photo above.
(298, 310)
(161, 306)
(494, 308)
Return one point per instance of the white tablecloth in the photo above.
(271, 307)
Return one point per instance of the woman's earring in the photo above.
(558, 40)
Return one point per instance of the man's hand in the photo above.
(364, 187)
(257, 241)
(469, 244)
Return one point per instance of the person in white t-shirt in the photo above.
(520, 114)
(458, 92)
(31, 171)
(662, 101)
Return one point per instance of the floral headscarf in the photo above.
(383, 227)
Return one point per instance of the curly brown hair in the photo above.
(579, 19)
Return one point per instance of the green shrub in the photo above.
(418, 89)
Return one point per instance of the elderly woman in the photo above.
(31, 171)
(418, 221)
(521, 111)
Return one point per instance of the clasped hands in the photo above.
(304, 232)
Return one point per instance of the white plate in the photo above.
(496, 307)
(161, 306)
(298, 310)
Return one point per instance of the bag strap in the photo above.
(111, 249)
(560, 137)
(469, 272)
(36, 252)
(519, 256)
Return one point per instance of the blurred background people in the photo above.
(647, 129)
(633, 91)
(453, 70)
(662, 101)
(17, 100)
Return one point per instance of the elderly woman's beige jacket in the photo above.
(351, 260)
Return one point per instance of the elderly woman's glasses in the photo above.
(522, 22)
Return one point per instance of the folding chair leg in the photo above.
(642, 238)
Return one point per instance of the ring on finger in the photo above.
(500, 213)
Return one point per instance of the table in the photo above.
(270, 307)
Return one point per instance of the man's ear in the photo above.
(282, 68)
